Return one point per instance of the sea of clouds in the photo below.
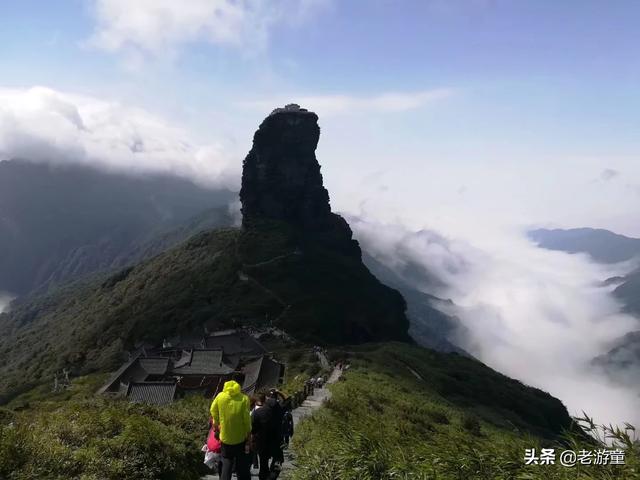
(536, 315)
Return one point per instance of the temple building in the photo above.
(194, 366)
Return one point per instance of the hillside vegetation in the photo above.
(399, 412)
(403, 412)
(215, 279)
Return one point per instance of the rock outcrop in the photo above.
(281, 179)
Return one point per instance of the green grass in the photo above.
(384, 423)
(82, 388)
(99, 438)
(301, 364)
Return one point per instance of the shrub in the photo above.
(352, 439)
(472, 425)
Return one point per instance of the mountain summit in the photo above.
(281, 176)
(281, 180)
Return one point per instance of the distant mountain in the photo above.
(60, 223)
(601, 245)
(622, 361)
(604, 247)
(628, 291)
(430, 326)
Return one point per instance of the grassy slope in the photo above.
(382, 423)
(74, 434)
(461, 421)
(317, 295)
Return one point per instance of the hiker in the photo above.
(267, 435)
(312, 385)
(213, 458)
(231, 417)
(287, 424)
(319, 382)
(259, 401)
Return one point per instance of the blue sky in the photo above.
(513, 109)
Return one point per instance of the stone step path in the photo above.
(324, 361)
(310, 405)
(315, 401)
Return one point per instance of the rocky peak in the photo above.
(281, 178)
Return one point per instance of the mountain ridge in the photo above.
(60, 222)
(603, 246)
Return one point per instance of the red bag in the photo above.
(213, 444)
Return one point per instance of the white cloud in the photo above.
(533, 314)
(328, 105)
(608, 174)
(5, 299)
(155, 26)
(44, 125)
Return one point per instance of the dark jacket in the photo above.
(267, 426)
(287, 424)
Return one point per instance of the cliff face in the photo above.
(281, 180)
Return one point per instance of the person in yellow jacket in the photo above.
(231, 418)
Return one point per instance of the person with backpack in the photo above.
(267, 436)
(287, 424)
(259, 401)
(231, 418)
(212, 449)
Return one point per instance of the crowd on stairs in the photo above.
(249, 436)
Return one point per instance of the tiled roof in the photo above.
(270, 373)
(232, 360)
(235, 342)
(136, 370)
(157, 393)
(194, 368)
(123, 374)
(184, 359)
(261, 374)
(204, 362)
(251, 375)
(154, 365)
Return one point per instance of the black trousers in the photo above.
(235, 454)
(270, 462)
